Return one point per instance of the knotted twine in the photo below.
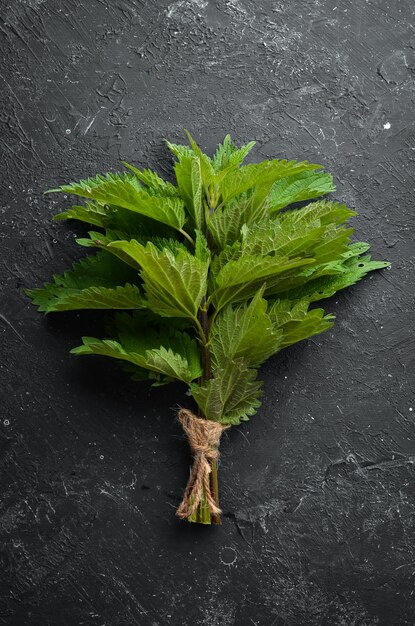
(204, 436)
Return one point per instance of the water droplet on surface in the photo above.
(228, 555)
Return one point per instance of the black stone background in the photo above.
(318, 489)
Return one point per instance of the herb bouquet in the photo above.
(216, 277)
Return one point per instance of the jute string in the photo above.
(204, 436)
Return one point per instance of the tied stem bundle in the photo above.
(204, 437)
(207, 278)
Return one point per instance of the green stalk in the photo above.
(202, 514)
(214, 488)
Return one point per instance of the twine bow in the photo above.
(204, 436)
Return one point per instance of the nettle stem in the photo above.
(203, 514)
(214, 488)
(206, 357)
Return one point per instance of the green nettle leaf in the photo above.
(160, 360)
(180, 151)
(125, 190)
(228, 156)
(91, 212)
(299, 187)
(351, 271)
(261, 175)
(226, 223)
(189, 180)
(96, 282)
(227, 254)
(174, 283)
(57, 298)
(245, 331)
(241, 279)
(231, 396)
(296, 322)
(149, 345)
(153, 182)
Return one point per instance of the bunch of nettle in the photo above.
(216, 276)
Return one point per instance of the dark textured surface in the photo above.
(318, 489)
